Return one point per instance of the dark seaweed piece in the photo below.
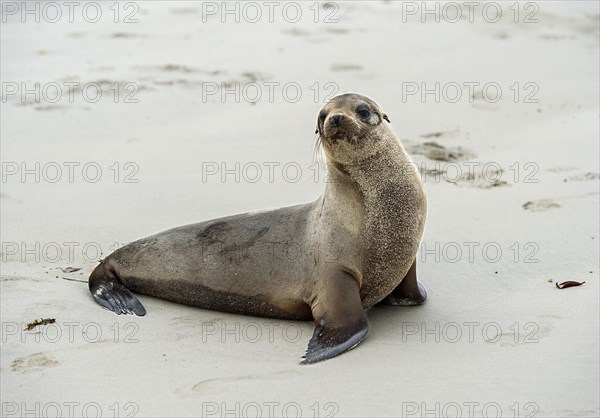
(569, 283)
(42, 321)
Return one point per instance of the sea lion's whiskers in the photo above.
(318, 151)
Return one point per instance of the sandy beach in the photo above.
(122, 120)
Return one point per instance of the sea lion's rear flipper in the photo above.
(410, 291)
(110, 293)
(340, 320)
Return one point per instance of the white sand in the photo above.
(183, 361)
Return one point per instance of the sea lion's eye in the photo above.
(322, 117)
(363, 111)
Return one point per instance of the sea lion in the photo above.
(370, 219)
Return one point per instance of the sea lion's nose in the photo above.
(335, 119)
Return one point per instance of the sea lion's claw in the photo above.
(121, 300)
(111, 294)
(125, 300)
(340, 320)
(104, 302)
(114, 303)
(326, 344)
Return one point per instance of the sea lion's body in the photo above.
(328, 260)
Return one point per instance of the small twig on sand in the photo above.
(74, 280)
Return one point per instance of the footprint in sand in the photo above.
(437, 152)
(475, 180)
(540, 205)
(338, 31)
(438, 134)
(583, 177)
(6, 197)
(433, 172)
(217, 385)
(545, 204)
(560, 169)
(34, 363)
(346, 67)
(127, 35)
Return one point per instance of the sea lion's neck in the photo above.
(386, 173)
(394, 206)
(387, 184)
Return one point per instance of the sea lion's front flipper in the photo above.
(409, 292)
(340, 320)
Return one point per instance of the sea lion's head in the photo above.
(352, 128)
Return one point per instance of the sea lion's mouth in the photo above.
(342, 136)
(343, 132)
(334, 137)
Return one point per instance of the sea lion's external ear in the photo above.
(317, 130)
(386, 118)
